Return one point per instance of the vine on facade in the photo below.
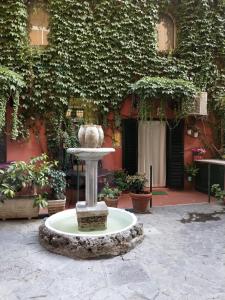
(97, 49)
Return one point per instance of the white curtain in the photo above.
(152, 151)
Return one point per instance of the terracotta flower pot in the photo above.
(111, 202)
(140, 202)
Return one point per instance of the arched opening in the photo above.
(39, 20)
(166, 33)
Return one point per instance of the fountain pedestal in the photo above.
(91, 215)
(92, 218)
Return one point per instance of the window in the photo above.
(166, 34)
(39, 27)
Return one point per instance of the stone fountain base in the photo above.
(90, 247)
(92, 218)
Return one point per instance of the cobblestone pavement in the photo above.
(182, 257)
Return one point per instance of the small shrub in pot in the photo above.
(140, 197)
(110, 195)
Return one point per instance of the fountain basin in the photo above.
(90, 153)
(60, 235)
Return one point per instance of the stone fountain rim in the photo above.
(85, 234)
(90, 150)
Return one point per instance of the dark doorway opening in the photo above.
(2, 147)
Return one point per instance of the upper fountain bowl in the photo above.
(90, 153)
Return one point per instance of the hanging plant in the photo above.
(149, 89)
(11, 83)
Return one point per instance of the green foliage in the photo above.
(97, 49)
(108, 192)
(218, 192)
(14, 178)
(120, 180)
(163, 88)
(39, 172)
(191, 170)
(40, 201)
(201, 43)
(136, 183)
(11, 84)
(57, 182)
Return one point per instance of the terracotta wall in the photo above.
(205, 140)
(37, 142)
(114, 161)
(24, 150)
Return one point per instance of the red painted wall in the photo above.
(205, 139)
(114, 161)
(24, 150)
(37, 143)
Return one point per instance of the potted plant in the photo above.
(110, 195)
(22, 187)
(198, 153)
(56, 197)
(120, 180)
(218, 192)
(140, 197)
(191, 170)
(18, 188)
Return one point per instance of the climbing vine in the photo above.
(11, 84)
(163, 89)
(97, 49)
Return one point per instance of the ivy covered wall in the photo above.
(98, 48)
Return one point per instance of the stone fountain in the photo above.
(92, 229)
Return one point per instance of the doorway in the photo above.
(168, 140)
(2, 147)
(152, 151)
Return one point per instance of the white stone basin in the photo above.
(65, 223)
(90, 153)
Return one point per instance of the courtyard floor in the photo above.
(171, 197)
(182, 257)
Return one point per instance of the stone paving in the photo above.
(182, 257)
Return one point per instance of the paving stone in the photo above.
(176, 261)
(125, 272)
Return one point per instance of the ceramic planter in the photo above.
(195, 134)
(91, 136)
(55, 206)
(140, 202)
(21, 207)
(189, 132)
(111, 202)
